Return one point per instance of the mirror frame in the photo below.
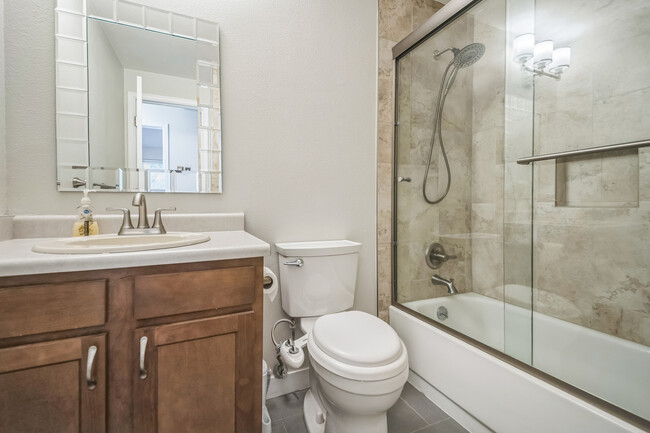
(71, 62)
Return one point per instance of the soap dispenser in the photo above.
(86, 225)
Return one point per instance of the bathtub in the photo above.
(498, 396)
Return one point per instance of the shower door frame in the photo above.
(436, 23)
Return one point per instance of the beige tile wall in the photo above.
(592, 214)
(418, 223)
(397, 18)
(487, 162)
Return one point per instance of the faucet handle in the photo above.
(435, 256)
(157, 219)
(126, 221)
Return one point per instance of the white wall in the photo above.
(183, 134)
(3, 159)
(159, 84)
(106, 100)
(299, 112)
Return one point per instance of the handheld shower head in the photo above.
(464, 57)
(469, 55)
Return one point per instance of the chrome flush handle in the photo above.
(90, 381)
(297, 262)
(143, 349)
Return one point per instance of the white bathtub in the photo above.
(505, 398)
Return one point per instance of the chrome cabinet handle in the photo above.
(143, 348)
(90, 382)
(297, 262)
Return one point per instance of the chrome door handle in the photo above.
(90, 382)
(143, 348)
(297, 262)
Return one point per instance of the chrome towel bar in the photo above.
(608, 148)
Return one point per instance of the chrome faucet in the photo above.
(439, 281)
(143, 221)
(141, 203)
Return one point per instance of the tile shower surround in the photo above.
(397, 18)
(602, 214)
(604, 209)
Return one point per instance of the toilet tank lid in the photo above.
(317, 248)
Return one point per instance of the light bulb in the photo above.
(523, 47)
(561, 60)
(543, 54)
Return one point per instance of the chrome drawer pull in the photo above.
(143, 348)
(90, 382)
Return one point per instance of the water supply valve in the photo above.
(292, 355)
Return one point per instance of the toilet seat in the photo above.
(358, 346)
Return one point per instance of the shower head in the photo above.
(468, 55)
(464, 57)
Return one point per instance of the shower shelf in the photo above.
(589, 151)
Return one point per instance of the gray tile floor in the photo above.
(413, 413)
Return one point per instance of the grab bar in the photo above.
(589, 151)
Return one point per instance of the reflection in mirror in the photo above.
(153, 105)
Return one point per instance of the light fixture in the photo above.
(543, 54)
(540, 58)
(561, 60)
(523, 47)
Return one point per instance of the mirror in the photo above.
(138, 99)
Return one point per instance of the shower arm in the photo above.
(437, 53)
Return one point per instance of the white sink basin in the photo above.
(118, 244)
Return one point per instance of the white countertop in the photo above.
(17, 257)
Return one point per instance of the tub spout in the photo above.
(439, 281)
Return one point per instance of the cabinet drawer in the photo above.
(187, 292)
(28, 310)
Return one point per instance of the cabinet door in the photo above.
(52, 386)
(198, 376)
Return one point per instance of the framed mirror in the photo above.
(138, 105)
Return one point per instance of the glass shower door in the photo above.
(456, 115)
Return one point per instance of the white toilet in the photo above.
(358, 363)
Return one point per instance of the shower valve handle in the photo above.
(435, 256)
(443, 257)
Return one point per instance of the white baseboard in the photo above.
(459, 414)
(295, 381)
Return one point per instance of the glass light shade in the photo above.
(523, 47)
(543, 54)
(561, 60)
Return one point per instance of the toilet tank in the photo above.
(325, 282)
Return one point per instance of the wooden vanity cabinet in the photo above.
(179, 349)
(54, 386)
(193, 377)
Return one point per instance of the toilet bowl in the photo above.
(358, 369)
(358, 363)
